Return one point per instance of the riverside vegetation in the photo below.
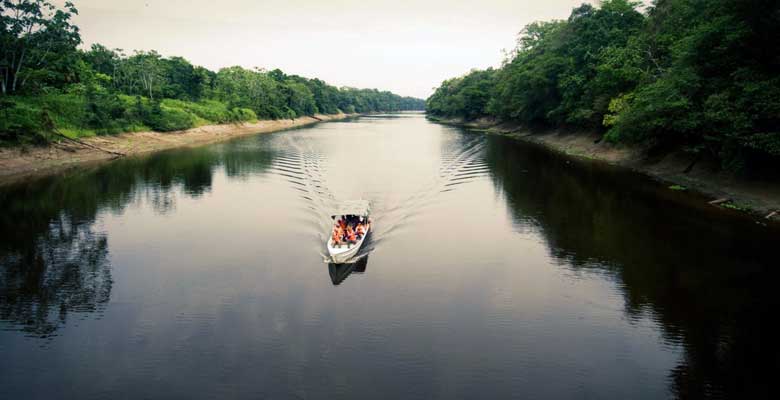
(697, 76)
(50, 85)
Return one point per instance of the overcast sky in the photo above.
(407, 47)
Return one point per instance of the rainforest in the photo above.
(52, 87)
(698, 76)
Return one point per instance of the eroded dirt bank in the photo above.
(760, 198)
(18, 163)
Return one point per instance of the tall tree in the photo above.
(147, 68)
(34, 36)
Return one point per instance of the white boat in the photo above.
(354, 209)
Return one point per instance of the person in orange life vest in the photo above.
(337, 235)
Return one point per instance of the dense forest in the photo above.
(49, 84)
(701, 76)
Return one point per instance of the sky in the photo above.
(407, 47)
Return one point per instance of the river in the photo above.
(495, 269)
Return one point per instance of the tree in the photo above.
(34, 36)
(147, 68)
(716, 91)
(693, 75)
(57, 86)
(102, 59)
(467, 96)
(300, 99)
(182, 80)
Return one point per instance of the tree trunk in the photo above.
(18, 68)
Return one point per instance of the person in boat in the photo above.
(351, 237)
(337, 235)
(360, 230)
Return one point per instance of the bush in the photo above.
(165, 119)
(20, 122)
(209, 110)
(243, 115)
(97, 110)
(67, 110)
(105, 111)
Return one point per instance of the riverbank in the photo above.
(759, 198)
(23, 162)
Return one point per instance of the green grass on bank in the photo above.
(31, 119)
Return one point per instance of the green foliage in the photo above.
(101, 111)
(300, 99)
(208, 110)
(372, 100)
(467, 96)
(526, 88)
(735, 206)
(105, 112)
(276, 95)
(615, 108)
(696, 75)
(37, 46)
(164, 118)
(47, 83)
(211, 111)
(17, 120)
(242, 115)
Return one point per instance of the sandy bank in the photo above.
(760, 198)
(18, 163)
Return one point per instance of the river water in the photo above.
(495, 270)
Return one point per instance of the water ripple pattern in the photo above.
(351, 167)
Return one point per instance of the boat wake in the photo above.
(306, 170)
(458, 168)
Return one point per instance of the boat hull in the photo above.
(346, 253)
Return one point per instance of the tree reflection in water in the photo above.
(714, 298)
(54, 263)
(64, 270)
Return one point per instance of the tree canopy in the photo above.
(48, 81)
(701, 75)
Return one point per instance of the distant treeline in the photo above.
(698, 75)
(48, 83)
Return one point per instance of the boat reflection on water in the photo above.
(339, 272)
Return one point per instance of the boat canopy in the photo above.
(352, 207)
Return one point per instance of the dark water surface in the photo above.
(495, 270)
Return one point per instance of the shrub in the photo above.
(165, 119)
(20, 122)
(67, 110)
(105, 111)
(243, 115)
(209, 110)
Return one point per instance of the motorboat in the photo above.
(351, 213)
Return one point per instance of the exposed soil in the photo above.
(758, 197)
(21, 162)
